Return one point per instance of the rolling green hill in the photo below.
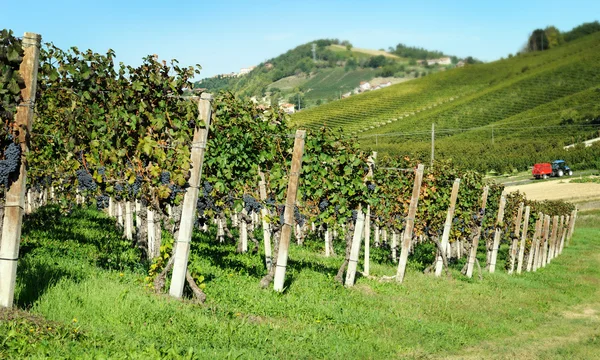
(336, 68)
(502, 115)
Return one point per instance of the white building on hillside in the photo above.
(440, 61)
(288, 108)
(364, 86)
(244, 71)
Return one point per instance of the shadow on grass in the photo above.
(36, 276)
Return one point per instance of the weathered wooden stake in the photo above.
(15, 195)
(571, 226)
(182, 247)
(367, 234)
(151, 233)
(497, 234)
(244, 232)
(394, 246)
(546, 239)
(128, 221)
(111, 207)
(515, 242)
(355, 249)
(475, 243)
(410, 224)
(264, 213)
(534, 242)
(327, 241)
(439, 265)
(288, 215)
(553, 237)
(561, 226)
(523, 239)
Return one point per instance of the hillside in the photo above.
(336, 68)
(503, 115)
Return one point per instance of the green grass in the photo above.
(588, 179)
(81, 305)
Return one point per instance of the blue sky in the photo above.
(224, 36)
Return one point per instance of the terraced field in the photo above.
(550, 97)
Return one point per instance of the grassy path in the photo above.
(77, 306)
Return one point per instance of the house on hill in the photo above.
(244, 71)
(269, 66)
(364, 86)
(460, 64)
(288, 108)
(440, 61)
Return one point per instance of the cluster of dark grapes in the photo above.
(250, 204)
(85, 179)
(205, 200)
(323, 205)
(135, 188)
(175, 189)
(102, 201)
(299, 217)
(165, 177)
(9, 167)
(102, 170)
(371, 186)
(280, 212)
(118, 191)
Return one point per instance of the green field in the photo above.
(85, 297)
(550, 97)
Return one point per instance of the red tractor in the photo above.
(557, 168)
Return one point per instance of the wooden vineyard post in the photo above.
(473, 253)
(111, 205)
(561, 225)
(394, 246)
(515, 243)
(539, 244)
(151, 233)
(288, 214)
(15, 195)
(571, 226)
(138, 218)
(497, 234)
(544, 247)
(262, 186)
(564, 235)
(553, 237)
(534, 241)
(410, 224)
(182, 246)
(244, 232)
(439, 265)
(523, 240)
(367, 235)
(355, 249)
(128, 221)
(327, 242)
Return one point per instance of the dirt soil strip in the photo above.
(559, 190)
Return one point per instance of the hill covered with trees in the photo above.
(308, 78)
